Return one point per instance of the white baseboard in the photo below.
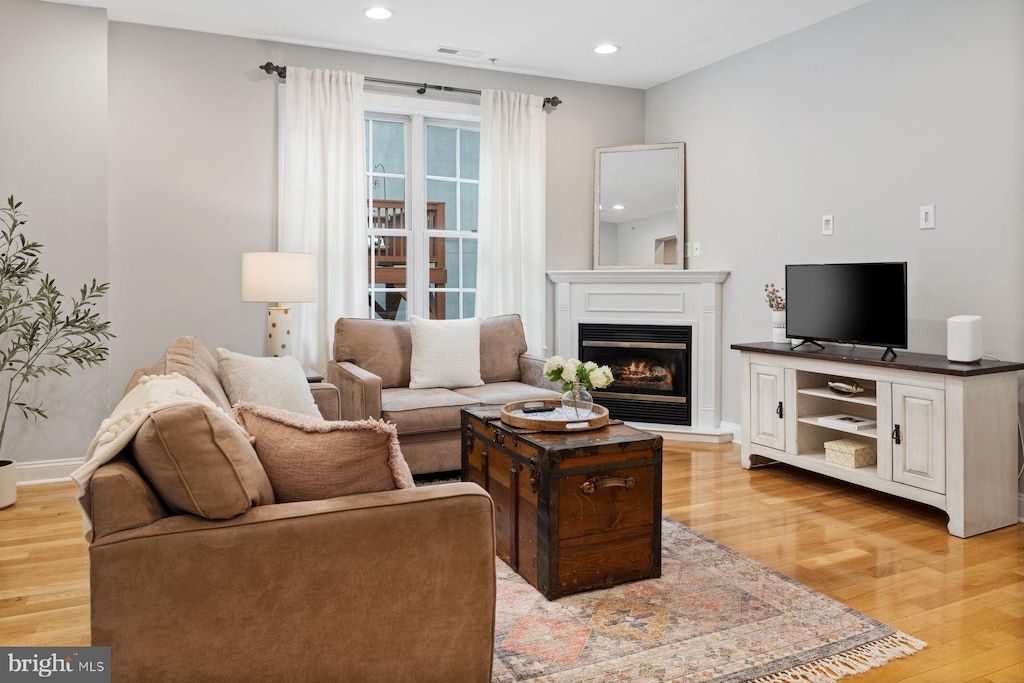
(684, 433)
(735, 429)
(47, 471)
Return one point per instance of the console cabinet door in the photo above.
(767, 412)
(919, 437)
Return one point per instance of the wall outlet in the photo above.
(827, 225)
(696, 248)
(928, 217)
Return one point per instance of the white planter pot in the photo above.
(778, 327)
(8, 483)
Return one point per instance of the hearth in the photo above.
(651, 367)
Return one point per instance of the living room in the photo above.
(146, 157)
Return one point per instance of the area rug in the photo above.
(714, 615)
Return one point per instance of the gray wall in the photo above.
(193, 174)
(866, 116)
(53, 137)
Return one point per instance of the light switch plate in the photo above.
(827, 225)
(928, 217)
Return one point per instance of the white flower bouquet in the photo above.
(568, 372)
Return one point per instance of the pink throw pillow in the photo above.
(307, 458)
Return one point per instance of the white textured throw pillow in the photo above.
(445, 353)
(275, 382)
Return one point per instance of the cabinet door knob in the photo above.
(896, 434)
(778, 411)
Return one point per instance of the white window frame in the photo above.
(419, 113)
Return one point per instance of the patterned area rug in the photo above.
(714, 615)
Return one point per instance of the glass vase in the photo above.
(577, 402)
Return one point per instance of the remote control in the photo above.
(538, 409)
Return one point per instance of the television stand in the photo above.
(889, 352)
(809, 341)
(945, 433)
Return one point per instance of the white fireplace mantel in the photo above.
(653, 297)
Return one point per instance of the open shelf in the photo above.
(813, 420)
(841, 471)
(867, 398)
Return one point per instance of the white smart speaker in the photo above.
(963, 339)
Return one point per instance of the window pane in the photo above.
(387, 188)
(388, 147)
(469, 264)
(441, 151)
(444, 262)
(388, 214)
(469, 206)
(388, 305)
(388, 261)
(469, 154)
(468, 304)
(443, 191)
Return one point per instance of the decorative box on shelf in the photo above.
(850, 453)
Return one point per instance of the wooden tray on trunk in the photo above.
(542, 423)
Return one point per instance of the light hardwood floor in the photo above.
(883, 556)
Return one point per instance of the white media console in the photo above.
(946, 433)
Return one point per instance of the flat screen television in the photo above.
(849, 303)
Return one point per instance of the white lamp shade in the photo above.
(277, 277)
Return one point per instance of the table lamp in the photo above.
(276, 277)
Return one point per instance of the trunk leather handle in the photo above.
(594, 483)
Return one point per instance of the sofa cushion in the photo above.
(200, 462)
(119, 498)
(500, 393)
(445, 353)
(276, 382)
(188, 356)
(311, 459)
(383, 347)
(502, 341)
(423, 410)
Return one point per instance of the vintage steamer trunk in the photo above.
(573, 511)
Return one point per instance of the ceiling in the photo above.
(659, 39)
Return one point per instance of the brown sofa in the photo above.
(388, 586)
(371, 368)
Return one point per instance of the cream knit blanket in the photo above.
(150, 394)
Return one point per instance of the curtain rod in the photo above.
(282, 71)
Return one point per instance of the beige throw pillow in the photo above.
(277, 382)
(309, 459)
(200, 462)
(445, 353)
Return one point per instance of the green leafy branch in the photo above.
(41, 333)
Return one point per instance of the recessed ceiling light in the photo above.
(619, 207)
(378, 12)
(606, 49)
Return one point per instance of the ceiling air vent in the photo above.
(459, 52)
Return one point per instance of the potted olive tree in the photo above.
(41, 331)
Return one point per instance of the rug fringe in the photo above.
(855, 661)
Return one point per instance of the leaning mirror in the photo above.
(638, 206)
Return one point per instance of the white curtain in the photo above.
(511, 253)
(323, 201)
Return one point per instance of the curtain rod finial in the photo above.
(552, 102)
(272, 68)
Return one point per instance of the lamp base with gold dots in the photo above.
(279, 331)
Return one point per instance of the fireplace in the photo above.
(651, 366)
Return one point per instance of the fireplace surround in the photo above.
(686, 298)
